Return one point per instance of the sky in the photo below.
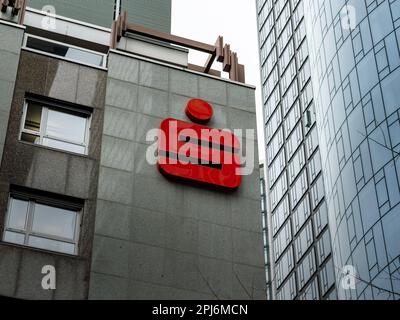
(235, 20)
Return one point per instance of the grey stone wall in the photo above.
(54, 171)
(157, 239)
(10, 48)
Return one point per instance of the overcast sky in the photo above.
(235, 20)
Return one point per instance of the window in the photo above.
(55, 125)
(42, 223)
(67, 51)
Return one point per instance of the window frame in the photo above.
(41, 134)
(103, 66)
(27, 231)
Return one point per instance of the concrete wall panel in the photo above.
(53, 171)
(166, 239)
(10, 48)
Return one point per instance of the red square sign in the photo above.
(199, 153)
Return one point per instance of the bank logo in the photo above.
(199, 153)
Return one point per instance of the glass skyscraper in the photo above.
(330, 76)
(155, 14)
(355, 67)
(297, 220)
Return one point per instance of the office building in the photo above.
(354, 65)
(265, 231)
(349, 50)
(300, 259)
(155, 14)
(79, 198)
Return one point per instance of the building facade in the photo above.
(155, 14)
(355, 59)
(267, 248)
(297, 220)
(78, 196)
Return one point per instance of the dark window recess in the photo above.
(65, 51)
(56, 124)
(43, 221)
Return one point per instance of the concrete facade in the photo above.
(9, 59)
(141, 236)
(51, 171)
(158, 239)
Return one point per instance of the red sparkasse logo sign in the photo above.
(195, 152)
